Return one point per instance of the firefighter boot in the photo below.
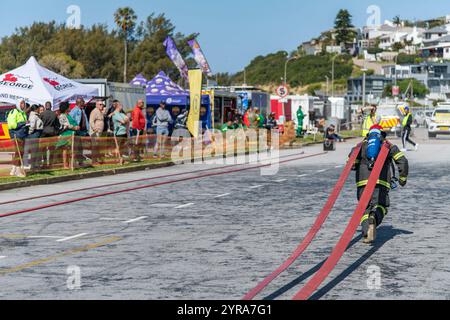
(372, 230)
(365, 227)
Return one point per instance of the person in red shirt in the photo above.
(138, 125)
(246, 118)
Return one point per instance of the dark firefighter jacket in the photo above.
(395, 155)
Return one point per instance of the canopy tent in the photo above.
(37, 85)
(139, 81)
(162, 88)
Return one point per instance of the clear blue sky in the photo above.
(232, 32)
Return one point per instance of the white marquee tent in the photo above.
(37, 85)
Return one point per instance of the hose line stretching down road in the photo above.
(349, 232)
(313, 231)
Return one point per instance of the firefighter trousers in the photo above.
(379, 204)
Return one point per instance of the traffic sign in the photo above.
(282, 91)
(395, 91)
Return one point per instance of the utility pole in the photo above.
(364, 88)
(327, 90)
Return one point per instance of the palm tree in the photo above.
(125, 19)
(397, 21)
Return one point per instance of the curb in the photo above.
(81, 176)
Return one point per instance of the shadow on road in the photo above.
(385, 234)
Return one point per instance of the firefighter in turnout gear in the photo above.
(379, 205)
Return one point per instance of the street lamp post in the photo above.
(285, 69)
(327, 88)
(332, 73)
(364, 88)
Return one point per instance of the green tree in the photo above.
(344, 27)
(419, 89)
(63, 64)
(125, 19)
(149, 55)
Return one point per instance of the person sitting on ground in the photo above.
(330, 134)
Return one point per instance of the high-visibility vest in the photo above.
(367, 124)
(406, 119)
(15, 117)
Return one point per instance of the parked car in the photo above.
(440, 122)
(422, 118)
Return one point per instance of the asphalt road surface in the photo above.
(216, 237)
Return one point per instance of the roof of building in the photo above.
(438, 29)
(372, 77)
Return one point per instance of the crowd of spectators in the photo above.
(46, 137)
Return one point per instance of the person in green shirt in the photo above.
(68, 129)
(300, 118)
(227, 126)
(262, 121)
(120, 122)
(18, 131)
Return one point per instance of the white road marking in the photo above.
(321, 171)
(72, 237)
(302, 175)
(222, 195)
(337, 167)
(281, 180)
(2, 257)
(136, 219)
(110, 219)
(44, 237)
(256, 187)
(185, 205)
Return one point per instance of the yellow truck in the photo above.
(389, 117)
(4, 132)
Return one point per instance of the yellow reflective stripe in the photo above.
(399, 156)
(365, 218)
(380, 182)
(383, 209)
(403, 179)
(362, 183)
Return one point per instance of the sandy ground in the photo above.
(216, 237)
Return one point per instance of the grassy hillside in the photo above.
(307, 70)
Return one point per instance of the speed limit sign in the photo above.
(282, 91)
